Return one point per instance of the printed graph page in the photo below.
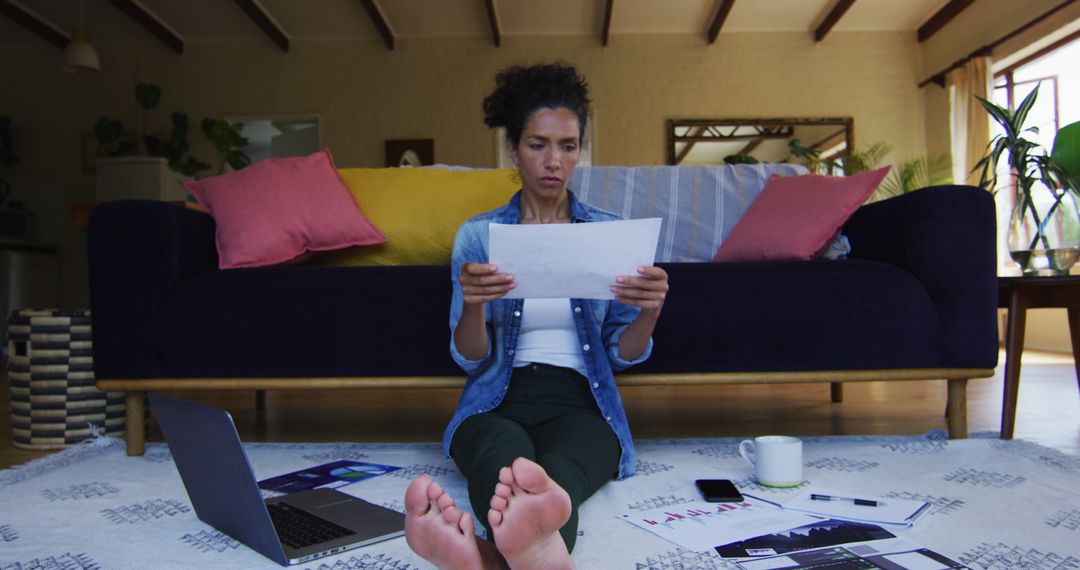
(700, 526)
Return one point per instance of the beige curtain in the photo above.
(970, 122)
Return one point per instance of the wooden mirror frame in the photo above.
(724, 130)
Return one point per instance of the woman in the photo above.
(540, 426)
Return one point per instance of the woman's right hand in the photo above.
(481, 282)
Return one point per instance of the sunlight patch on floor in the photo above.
(1040, 357)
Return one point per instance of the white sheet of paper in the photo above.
(699, 526)
(581, 261)
(892, 511)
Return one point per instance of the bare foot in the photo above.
(527, 511)
(437, 530)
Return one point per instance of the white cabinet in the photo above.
(138, 178)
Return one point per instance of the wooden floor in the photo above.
(1049, 410)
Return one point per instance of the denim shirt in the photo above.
(599, 324)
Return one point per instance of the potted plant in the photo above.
(1044, 227)
(228, 142)
(915, 173)
(849, 162)
(154, 165)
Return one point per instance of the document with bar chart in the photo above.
(701, 526)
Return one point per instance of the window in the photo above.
(273, 136)
(1055, 69)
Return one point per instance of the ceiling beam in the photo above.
(493, 19)
(262, 17)
(723, 8)
(832, 18)
(34, 23)
(152, 23)
(942, 17)
(380, 22)
(606, 32)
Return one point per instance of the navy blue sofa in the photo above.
(916, 299)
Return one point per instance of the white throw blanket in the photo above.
(996, 504)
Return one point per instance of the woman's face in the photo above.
(548, 151)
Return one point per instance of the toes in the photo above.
(506, 476)
(416, 498)
(502, 490)
(445, 501)
(434, 491)
(466, 525)
(495, 518)
(451, 515)
(529, 475)
(499, 503)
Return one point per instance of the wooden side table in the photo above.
(1018, 294)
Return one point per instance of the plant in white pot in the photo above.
(148, 165)
(143, 164)
(1044, 228)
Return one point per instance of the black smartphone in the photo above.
(719, 490)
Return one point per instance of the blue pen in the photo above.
(861, 502)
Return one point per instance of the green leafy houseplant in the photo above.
(915, 173)
(851, 161)
(116, 140)
(740, 158)
(1044, 229)
(228, 142)
(809, 155)
(856, 161)
(1062, 166)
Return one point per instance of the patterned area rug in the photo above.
(996, 504)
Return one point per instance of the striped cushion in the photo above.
(699, 204)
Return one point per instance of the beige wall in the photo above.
(432, 88)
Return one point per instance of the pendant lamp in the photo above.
(80, 55)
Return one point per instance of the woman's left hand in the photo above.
(647, 289)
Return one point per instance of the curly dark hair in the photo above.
(520, 91)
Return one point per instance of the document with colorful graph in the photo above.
(700, 526)
(326, 476)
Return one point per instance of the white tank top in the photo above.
(548, 335)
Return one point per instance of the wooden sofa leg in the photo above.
(134, 412)
(260, 400)
(957, 408)
(836, 391)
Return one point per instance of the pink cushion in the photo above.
(794, 217)
(279, 210)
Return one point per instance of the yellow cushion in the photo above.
(419, 210)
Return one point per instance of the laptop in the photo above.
(222, 487)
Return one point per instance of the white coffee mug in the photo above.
(776, 459)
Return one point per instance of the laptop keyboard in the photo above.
(298, 528)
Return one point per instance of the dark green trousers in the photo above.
(548, 416)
